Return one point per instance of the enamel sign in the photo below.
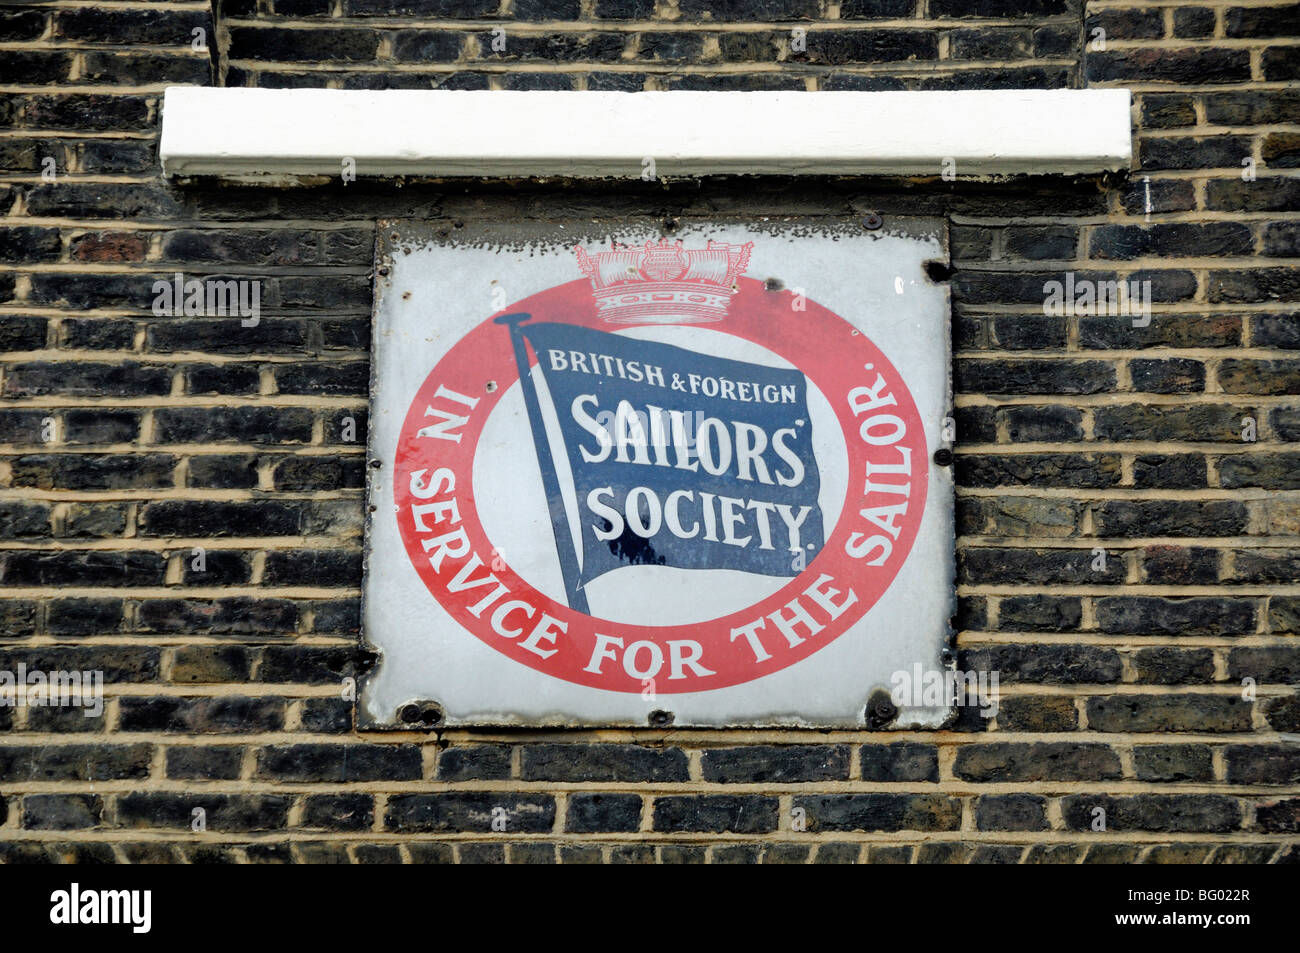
(623, 477)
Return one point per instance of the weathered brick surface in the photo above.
(181, 497)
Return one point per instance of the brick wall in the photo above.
(127, 440)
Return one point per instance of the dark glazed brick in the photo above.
(474, 763)
(1192, 65)
(25, 519)
(1033, 377)
(221, 763)
(328, 567)
(313, 665)
(1086, 470)
(532, 854)
(90, 568)
(546, 9)
(1169, 471)
(223, 473)
(61, 812)
(326, 715)
(216, 568)
(22, 333)
(837, 853)
(237, 425)
(224, 812)
(1040, 713)
(219, 518)
(451, 9)
(426, 46)
(753, 10)
(715, 813)
(1194, 22)
(943, 852)
(340, 812)
(680, 854)
(1154, 615)
(430, 853)
(1020, 566)
(1112, 854)
(1039, 613)
(1035, 423)
(755, 764)
(600, 813)
(1164, 111)
(1171, 666)
(119, 379)
(473, 811)
(1043, 761)
(1027, 332)
(625, 9)
(1050, 664)
(96, 762)
(1168, 763)
(900, 761)
(1054, 854)
(228, 714)
(881, 812)
(1191, 712)
(339, 763)
(1283, 714)
(997, 854)
(1278, 816)
(119, 663)
(107, 25)
(237, 616)
(1263, 764)
(877, 9)
(1278, 664)
(1177, 376)
(1180, 565)
(632, 854)
(737, 854)
(1136, 518)
(1268, 21)
(607, 762)
(272, 45)
(1011, 812)
(1199, 813)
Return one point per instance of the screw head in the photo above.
(943, 457)
(881, 709)
(660, 718)
(872, 222)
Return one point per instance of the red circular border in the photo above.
(813, 338)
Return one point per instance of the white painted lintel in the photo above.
(284, 133)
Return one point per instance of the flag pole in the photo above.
(564, 546)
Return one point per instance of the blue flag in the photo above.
(679, 458)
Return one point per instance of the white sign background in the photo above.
(440, 287)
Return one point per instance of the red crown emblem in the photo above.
(663, 282)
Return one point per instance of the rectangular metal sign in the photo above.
(625, 477)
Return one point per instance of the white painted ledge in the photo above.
(278, 133)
